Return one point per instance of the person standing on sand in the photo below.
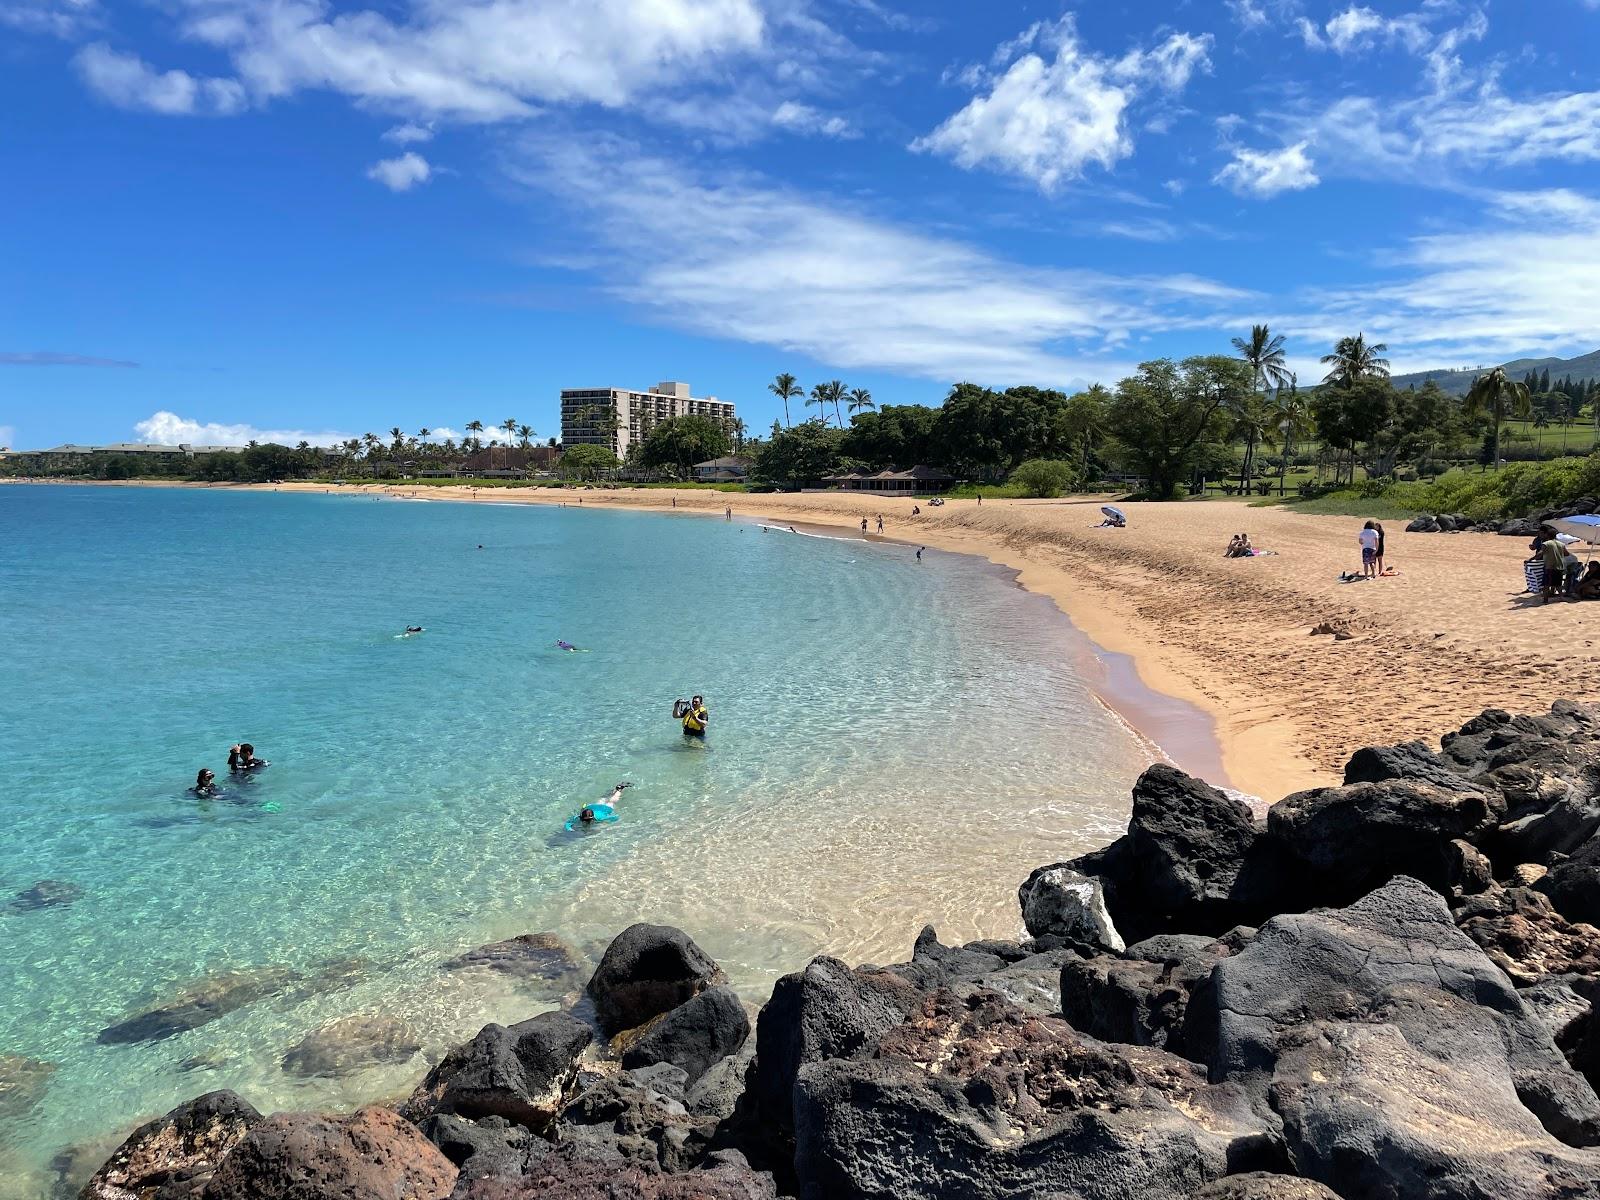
(1379, 568)
(920, 549)
(863, 527)
(980, 499)
(1368, 537)
(880, 522)
(727, 513)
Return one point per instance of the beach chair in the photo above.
(1533, 573)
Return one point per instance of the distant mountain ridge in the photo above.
(1456, 382)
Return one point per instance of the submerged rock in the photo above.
(199, 1004)
(530, 958)
(23, 1082)
(352, 1044)
(373, 1155)
(522, 1073)
(47, 893)
(175, 1156)
(646, 971)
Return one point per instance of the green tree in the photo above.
(896, 435)
(860, 399)
(588, 462)
(1494, 394)
(806, 453)
(1252, 419)
(1084, 417)
(1044, 477)
(1164, 413)
(524, 435)
(1294, 426)
(681, 442)
(475, 428)
(786, 389)
(1352, 359)
(1351, 415)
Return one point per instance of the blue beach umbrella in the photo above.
(1585, 529)
(1115, 513)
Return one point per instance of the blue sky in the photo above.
(232, 218)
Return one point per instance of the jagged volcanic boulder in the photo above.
(522, 1072)
(1573, 885)
(1526, 937)
(492, 1148)
(1382, 1112)
(1408, 760)
(696, 1035)
(825, 1011)
(1564, 1005)
(1141, 998)
(1341, 965)
(175, 1156)
(646, 971)
(636, 1117)
(374, 1155)
(1062, 904)
(977, 1098)
(352, 1044)
(1348, 840)
(726, 1178)
(1183, 866)
(1258, 1185)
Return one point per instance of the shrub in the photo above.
(1043, 477)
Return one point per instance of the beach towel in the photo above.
(1533, 573)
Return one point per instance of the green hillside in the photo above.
(1457, 381)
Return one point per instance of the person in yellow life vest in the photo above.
(695, 718)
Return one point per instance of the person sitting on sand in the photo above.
(1239, 547)
(1589, 585)
(205, 783)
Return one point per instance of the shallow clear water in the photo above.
(892, 743)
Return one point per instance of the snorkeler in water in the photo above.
(205, 784)
(565, 645)
(412, 631)
(606, 811)
(243, 758)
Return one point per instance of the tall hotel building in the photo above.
(618, 417)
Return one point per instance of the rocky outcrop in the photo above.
(1258, 1185)
(374, 1155)
(695, 1036)
(726, 1178)
(493, 1148)
(646, 971)
(352, 1044)
(175, 1156)
(522, 1073)
(199, 1004)
(1141, 998)
(1526, 937)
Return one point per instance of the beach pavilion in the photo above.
(894, 483)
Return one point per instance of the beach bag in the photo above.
(1533, 572)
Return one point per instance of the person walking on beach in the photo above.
(863, 527)
(1368, 537)
(920, 549)
(727, 513)
(880, 522)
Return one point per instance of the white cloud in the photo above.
(1520, 282)
(1267, 173)
(1248, 13)
(750, 261)
(439, 433)
(802, 118)
(403, 173)
(127, 81)
(405, 135)
(57, 18)
(481, 60)
(169, 429)
(1050, 115)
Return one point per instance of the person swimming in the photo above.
(591, 815)
(412, 631)
(696, 718)
(563, 645)
(204, 783)
(243, 758)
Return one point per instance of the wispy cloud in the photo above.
(406, 134)
(49, 358)
(56, 18)
(802, 118)
(169, 429)
(127, 81)
(1266, 173)
(1057, 107)
(755, 262)
(403, 173)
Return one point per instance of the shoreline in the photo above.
(1126, 669)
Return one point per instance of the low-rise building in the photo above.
(617, 418)
(894, 483)
(732, 468)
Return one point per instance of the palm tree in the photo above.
(1294, 423)
(1255, 420)
(1496, 393)
(475, 428)
(860, 398)
(738, 429)
(786, 389)
(524, 435)
(1353, 359)
(1264, 353)
(820, 396)
(1541, 421)
(397, 438)
(835, 391)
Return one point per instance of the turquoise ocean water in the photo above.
(892, 743)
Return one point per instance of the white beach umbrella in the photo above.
(1582, 529)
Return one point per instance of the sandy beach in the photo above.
(1451, 634)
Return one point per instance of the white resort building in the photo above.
(618, 417)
